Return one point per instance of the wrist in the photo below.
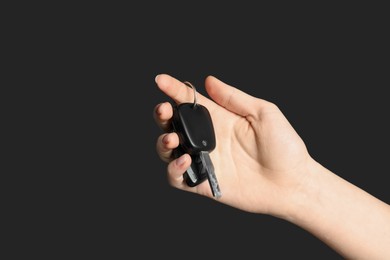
(339, 213)
(301, 197)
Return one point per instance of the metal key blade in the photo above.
(207, 163)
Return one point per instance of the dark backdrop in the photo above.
(325, 68)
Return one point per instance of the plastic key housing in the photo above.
(195, 129)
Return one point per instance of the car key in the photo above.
(193, 124)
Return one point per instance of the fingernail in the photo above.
(155, 79)
(158, 109)
(181, 160)
(165, 139)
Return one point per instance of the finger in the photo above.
(180, 92)
(232, 98)
(165, 145)
(162, 115)
(176, 169)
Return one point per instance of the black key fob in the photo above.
(192, 122)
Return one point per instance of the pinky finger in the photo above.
(175, 171)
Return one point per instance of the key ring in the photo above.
(193, 87)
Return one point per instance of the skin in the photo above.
(263, 166)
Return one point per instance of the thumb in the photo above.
(232, 98)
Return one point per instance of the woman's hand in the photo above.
(259, 159)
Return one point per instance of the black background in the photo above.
(105, 191)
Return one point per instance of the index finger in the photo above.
(180, 92)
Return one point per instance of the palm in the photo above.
(250, 152)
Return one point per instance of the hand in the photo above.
(259, 158)
(263, 166)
